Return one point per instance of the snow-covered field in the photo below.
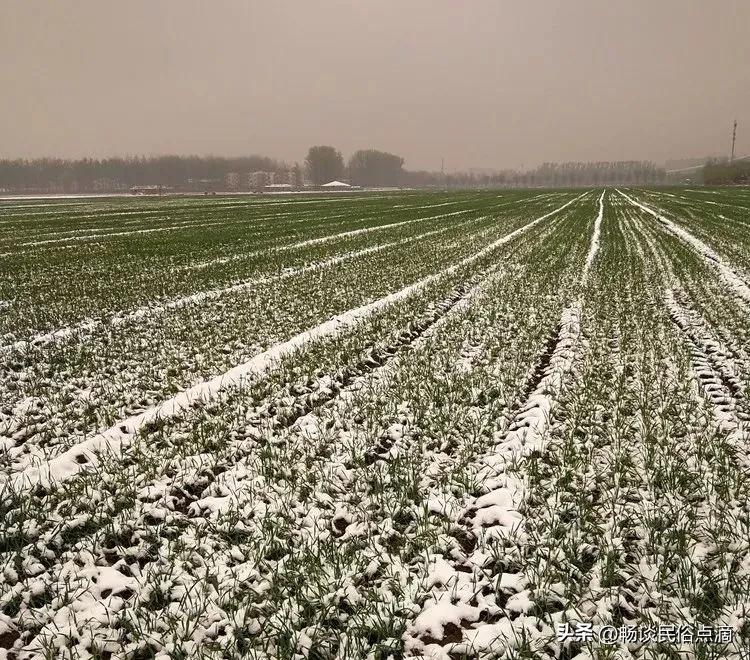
(446, 425)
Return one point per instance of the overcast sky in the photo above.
(483, 83)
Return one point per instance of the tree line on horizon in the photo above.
(377, 168)
(124, 172)
(323, 163)
(724, 172)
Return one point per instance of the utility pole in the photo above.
(734, 137)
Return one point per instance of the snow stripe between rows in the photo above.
(594, 247)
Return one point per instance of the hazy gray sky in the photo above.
(482, 83)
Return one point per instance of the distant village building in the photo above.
(336, 185)
(279, 187)
(149, 190)
(260, 181)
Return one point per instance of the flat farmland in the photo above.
(375, 425)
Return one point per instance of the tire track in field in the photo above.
(685, 503)
(714, 367)
(725, 235)
(727, 272)
(719, 359)
(86, 455)
(716, 370)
